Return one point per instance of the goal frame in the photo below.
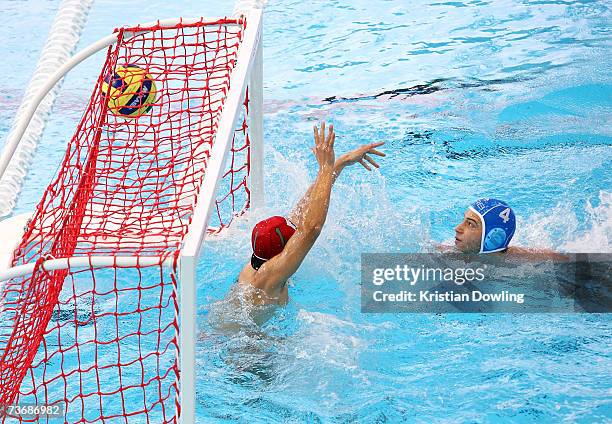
(249, 66)
(248, 72)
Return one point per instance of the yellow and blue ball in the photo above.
(131, 91)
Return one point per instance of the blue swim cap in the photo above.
(498, 224)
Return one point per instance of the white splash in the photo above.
(598, 238)
(559, 228)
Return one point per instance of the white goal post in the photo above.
(249, 66)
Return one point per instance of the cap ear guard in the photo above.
(495, 239)
(256, 262)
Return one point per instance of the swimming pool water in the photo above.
(510, 99)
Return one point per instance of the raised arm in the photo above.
(314, 212)
(311, 211)
(361, 155)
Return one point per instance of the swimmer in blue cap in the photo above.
(488, 226)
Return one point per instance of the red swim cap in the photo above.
(270, 237)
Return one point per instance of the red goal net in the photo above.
(101, 341)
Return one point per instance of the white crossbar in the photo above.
(76, 262)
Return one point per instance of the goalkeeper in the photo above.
(280, 245)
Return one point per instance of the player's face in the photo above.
(468, 234)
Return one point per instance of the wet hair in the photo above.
(256, 262)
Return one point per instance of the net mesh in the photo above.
(102, 342)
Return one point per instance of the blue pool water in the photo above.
(510, 99)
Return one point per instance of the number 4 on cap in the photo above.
(505, 215)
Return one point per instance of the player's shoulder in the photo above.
(537, 254)
(268, 279)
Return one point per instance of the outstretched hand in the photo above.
(361, 155)
(324, 147)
